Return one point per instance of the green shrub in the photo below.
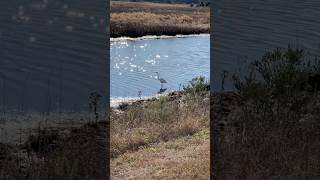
(197, 84)
(161, 109)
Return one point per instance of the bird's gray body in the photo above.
(161, 80)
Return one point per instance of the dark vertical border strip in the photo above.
(108, 85)
(214, 135)
(212, 128)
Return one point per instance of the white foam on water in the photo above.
(156, 37)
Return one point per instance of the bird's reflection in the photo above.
(162, 90)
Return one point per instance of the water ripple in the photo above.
(134, 63)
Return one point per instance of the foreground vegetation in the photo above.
(182, 158)
(141, 19)
(176, 125)
(270, 128)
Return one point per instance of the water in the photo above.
(177, 60)
(244, 29)
(52, 54)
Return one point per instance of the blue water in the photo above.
(134, 63)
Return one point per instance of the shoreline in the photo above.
(115, 102)
(188, 31)
(154, 37)
(198, 32)
(134, 101)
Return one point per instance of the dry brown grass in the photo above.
(183, 158)
(139, 19)
(149, 123)
(161, 120)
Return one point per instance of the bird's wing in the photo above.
(163, 81)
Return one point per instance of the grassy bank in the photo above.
(269, 128)
(181, 158)
(157, 126)
(140, 19)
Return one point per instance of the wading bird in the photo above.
(161, 80)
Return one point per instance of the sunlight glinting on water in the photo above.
(134, 63)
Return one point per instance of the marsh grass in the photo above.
(274, 133)
(138, 30)
(141, 19)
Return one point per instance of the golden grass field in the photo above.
(167, 138)
(182, 158)
(140, 19)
